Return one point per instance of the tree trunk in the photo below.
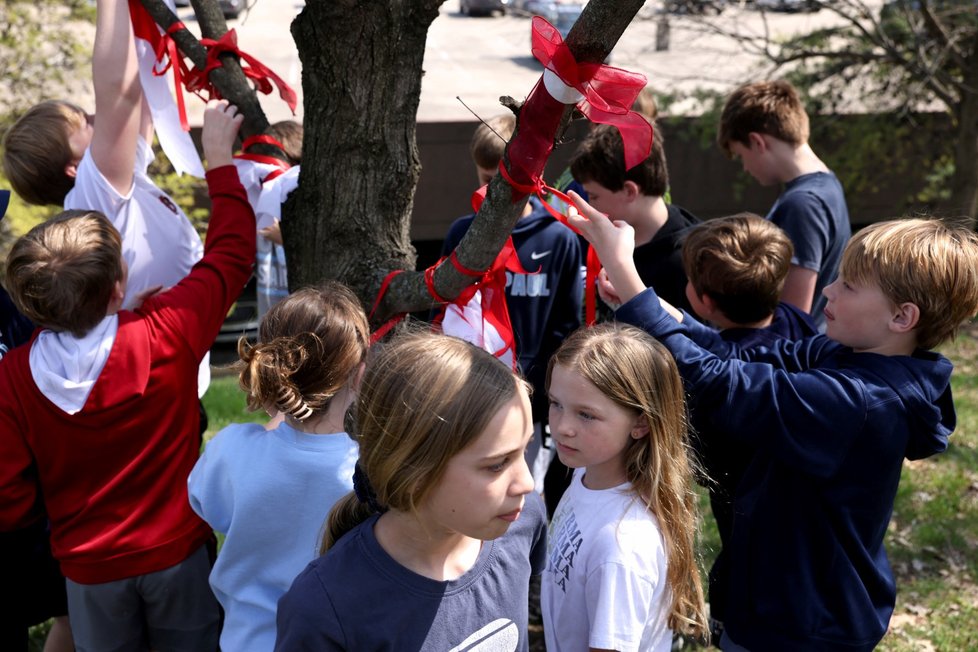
(361, 76)
(964, 182)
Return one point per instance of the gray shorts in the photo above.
(171, 609)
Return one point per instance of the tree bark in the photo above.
(349, 219)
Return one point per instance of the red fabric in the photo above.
(608, 92)
(145, 28)
(114, 475)
(539, 188)
(259, 73)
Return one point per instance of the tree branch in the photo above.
(591, 39)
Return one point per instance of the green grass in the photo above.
(225, 404)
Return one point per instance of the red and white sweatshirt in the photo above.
(113, 476)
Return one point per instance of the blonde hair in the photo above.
(768, 107)
(490, 139)
(638, 373)
(36, 150)
(61, 274)
(927, 262)
(424, 397)
(741, 262)
(309, 347)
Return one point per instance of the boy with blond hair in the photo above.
(830, 418)
(736, 266)
(98, 415)
(765, 125)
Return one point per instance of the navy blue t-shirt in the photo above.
(812, 211)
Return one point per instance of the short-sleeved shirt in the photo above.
(356, 597)
(812, 211)
(606, 582)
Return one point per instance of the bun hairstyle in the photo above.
(309, 346)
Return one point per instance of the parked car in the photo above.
(562, 14)
(482, 7)
(242, 319)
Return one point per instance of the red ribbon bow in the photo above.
(146, 29)
(263, 76)
(608, 92)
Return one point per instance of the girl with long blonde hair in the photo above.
(622, 573)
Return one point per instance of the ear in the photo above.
(631, 190)
(756, 139)
(71, 170)
(906, 318)
(357, 377)
(640, 428)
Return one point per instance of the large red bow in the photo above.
(145, 28)
(608, 92)
(263, 76)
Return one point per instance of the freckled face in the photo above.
(481, 493)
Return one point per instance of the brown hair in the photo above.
(490, 139)
(61, 274)
(36, 151)
(638, 373)
(601, 158)
(646, 105)
(309, 347)
(424, 398)
(927, 262)
(768, 107)
(740, 262)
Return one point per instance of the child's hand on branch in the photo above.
(615, 244)
(221, 123)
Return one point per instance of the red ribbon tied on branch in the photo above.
(263, 76)
(608, 92)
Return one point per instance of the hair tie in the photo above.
(365, 493)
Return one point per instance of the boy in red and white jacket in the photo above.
(98, 414)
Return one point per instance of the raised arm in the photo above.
(118, 95)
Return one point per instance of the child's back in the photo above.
(101, 418)
(831, 421)
(270, 491)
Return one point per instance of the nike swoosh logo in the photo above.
(536, 256)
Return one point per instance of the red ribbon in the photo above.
(263, 76)
(540, 188)
(283, 166)
(608, 92)
(145, 28)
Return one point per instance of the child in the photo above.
(736, 267)
(622, 573)
(435, 549)
(636, 196)
(830, 418)
(765, 125)
(254, 485)
(545, 304)
(98, 414)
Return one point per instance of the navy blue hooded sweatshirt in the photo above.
(831, 428)
(544, 305)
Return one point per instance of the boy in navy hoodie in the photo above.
(545, 304)
(830, 418)
(737, 267)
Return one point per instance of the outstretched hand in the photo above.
(615, 244)
(221, 123)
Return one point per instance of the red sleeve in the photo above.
(18, 478)
(196, 307)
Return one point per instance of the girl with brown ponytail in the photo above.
(270, 490)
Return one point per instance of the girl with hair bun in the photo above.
(270, 490)
(435, 547)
